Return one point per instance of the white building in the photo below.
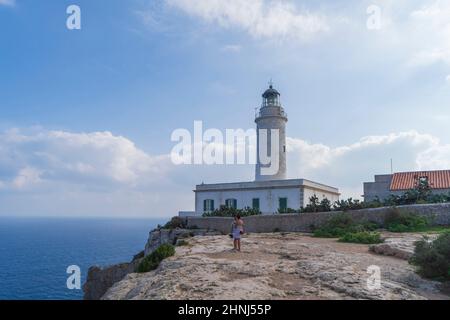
(271, 192)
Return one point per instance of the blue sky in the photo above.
(86, 115)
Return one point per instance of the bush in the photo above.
(433, 257)
(342, 223)
(365, 237)
(349, 204)
(397, 221)
(152, 261)
(232, 212)
(338, 225)
(317, 206)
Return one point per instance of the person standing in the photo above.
(237, 230)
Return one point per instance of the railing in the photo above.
(264, 113)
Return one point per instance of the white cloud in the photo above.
(260, 18)
(103, 174)
(26, 177)
(347, 167)
(78, 157)
(7, 2)
(234, 48)
(98, 173)
(430, 25)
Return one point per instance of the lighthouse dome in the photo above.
(270, 93)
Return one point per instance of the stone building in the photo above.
(398, 183)
(271, 192)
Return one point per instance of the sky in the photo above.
(86, 116)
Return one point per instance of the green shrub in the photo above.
(315, 205)
(365, 237)
(397, 221)
(433, 257)
(338, 225)
(370, 226)
(224, 211)
(152, 261)
(342, 223)
(349, 204)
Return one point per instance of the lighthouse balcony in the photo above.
(271, 112)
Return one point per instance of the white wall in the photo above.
(321, 194)
(268, 198)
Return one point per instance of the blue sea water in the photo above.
(35, 252)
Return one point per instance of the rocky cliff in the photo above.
(100, 279)
(278, 266)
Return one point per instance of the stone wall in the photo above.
(439, 214)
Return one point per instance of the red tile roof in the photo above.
(408, 180)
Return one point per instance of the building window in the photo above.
(255, 204)
(423, 180)
(231, 203)
(282, 204)
(208, 205)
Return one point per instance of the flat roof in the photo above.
(269, 184)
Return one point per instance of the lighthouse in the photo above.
(270, 192)
(271, 138)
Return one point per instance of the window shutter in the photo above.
(235, 203)
(283, 204)
(204, 206)
(255, 203)
(212, 205)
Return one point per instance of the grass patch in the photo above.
(432, 258)
(365, 237)
(152, 261)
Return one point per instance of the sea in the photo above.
(35, 253)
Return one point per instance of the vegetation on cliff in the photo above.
(152, 261)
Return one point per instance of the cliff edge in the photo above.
(276, 266)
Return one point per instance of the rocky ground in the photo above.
(279, 266)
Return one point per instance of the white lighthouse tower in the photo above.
(270, 192)
(271, 128)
